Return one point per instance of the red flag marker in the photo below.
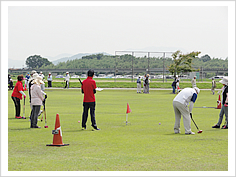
(128, 109)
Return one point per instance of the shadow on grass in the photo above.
(175, 134)
(17, 129)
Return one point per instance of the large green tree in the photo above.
(36, 61)
(182, 62)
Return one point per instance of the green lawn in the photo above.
(142, 145)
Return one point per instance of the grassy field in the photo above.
(127, 83)
(142, 145)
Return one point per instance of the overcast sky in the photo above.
(53, 30)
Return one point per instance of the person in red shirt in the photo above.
(17, 96)
(89, 89)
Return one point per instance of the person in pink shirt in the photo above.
(36, 101)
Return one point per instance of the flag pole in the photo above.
(126, 118)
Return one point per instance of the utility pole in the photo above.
(132, 66)
(163, 67)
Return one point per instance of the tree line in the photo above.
(179, 63)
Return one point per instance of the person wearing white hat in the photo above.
(194, 82)
(49, 79)
(36, 101)
(31, 83)
(213, 86)
(224, 107)
(180, 105)
(42, 85)
(67, 79)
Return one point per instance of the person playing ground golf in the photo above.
(88, 88)
(194, 82)
(17, 96)
(67, 79)
(213, 83)
(180, 104)
(36, 101)
(224, 108)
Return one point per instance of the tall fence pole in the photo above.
(163, 67)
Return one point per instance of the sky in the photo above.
(53, 30)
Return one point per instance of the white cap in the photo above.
(197, 89)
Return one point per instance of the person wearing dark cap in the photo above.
(88, 88)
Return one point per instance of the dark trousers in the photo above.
(34, 115)
(49, 83)
(87, 106)
(17, 105)
(67, 84)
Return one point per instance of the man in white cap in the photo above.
(49, 79)
(42, 85)
(67, 79)
(180, 104)
(224, 107)
(194, 82)
(213, 86)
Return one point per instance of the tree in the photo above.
(205, 58)
(36, 61)
(182, 63)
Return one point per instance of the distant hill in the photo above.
(58, 56)
(16, 63)
(77, 56)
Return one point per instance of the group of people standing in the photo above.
(146, 83)
(188, 96)
(37, 96)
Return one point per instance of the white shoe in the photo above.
(190, 133)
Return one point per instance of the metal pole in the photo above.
(115, 66)
(148, 64)
(163, 67)
(202, 72)
(132, 66)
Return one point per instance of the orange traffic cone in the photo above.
(219, 103)
(57, 138)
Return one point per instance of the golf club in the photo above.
(80, 82)
(44, 111)
(199, 131)
(24, 110)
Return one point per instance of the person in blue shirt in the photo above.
(139, 85)
(27, 77)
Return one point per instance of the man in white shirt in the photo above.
(194, 82)
(67, 79)
(180, 104)
(42, 85)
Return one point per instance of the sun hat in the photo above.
(197, 89)
(224, 80)
(38, 80)
(67, 72)
(32, 72)
(35, 75)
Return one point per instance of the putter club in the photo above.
(44, 111)
(80, 82)
(24, 109)
(199, 131)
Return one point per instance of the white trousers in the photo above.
(181, 109)
(138, 88)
